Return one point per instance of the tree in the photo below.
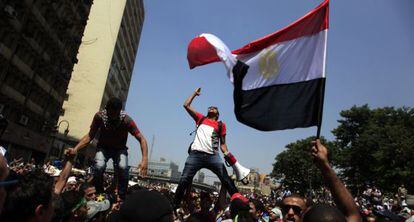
(376, 146)
(295, 167)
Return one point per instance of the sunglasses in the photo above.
(296, 209)
(212, 107)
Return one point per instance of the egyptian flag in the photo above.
(278, 79)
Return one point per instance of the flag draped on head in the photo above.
(278, 79)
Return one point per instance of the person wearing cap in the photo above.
(210, 134)
(275, 215)
(113, 125)
(239, 208)
(71, 184)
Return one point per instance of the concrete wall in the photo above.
(89, 75)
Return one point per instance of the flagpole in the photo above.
(322, 90)
(320, 111)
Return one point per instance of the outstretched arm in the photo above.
(64, 175)
(96, 124)
(342, 197)
(82, 144)
(188, 101)
(143, 166)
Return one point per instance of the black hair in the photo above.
(113, 103)
(258, 205)
(323, 213)
(85, 186)
(33, 189)
(69, 201)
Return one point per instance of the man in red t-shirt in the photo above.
(111, 127)
(209, 136)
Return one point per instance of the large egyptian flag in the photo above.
(278, 79)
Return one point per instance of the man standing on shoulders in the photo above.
(210, 134)
(111, 127)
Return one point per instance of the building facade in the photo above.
(39, 41)
(106, 61)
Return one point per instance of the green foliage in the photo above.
(295, 167)
(376, 146)
(372, 146)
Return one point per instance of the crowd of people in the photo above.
(49, 192)
(57, 191)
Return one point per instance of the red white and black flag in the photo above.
(278, 79)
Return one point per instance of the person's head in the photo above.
(275, 214)
(74, 206)
(323, 213)
(212, 112)
(370, 218)
(240, 208)
(113, 107)
(292, 208)
(89, 191)
(145, 205)
(31, 198)
(256, 208)
(71, 184)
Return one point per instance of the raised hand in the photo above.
(198, 91)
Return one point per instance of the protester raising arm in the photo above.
(342, 197)
(64, 175)
(188, 102)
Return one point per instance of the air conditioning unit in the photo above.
(24, 120)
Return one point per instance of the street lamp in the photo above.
(66, 132)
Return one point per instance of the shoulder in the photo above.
(199, 115)
(126, 118)
(99, 116)
(199, 118)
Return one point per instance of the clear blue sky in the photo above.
(370, 60)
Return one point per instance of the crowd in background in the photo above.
(55, 191)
